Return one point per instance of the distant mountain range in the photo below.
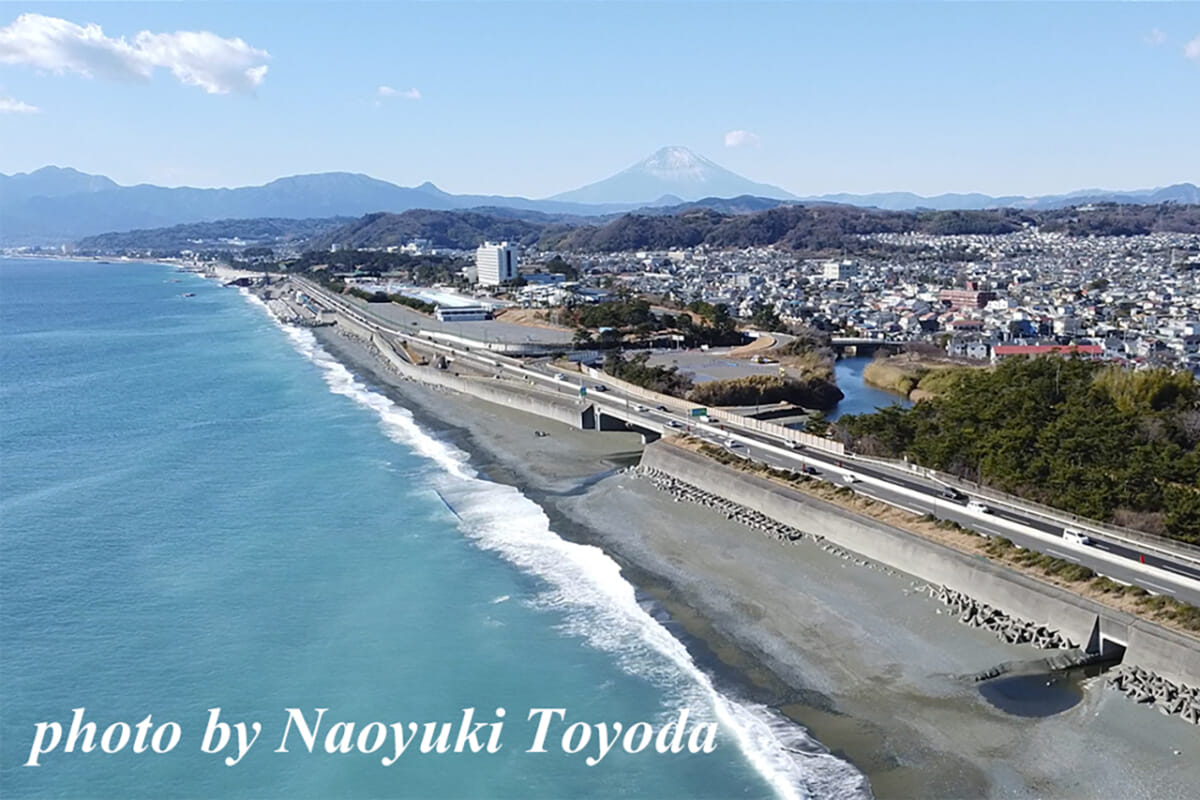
(55, 205)
(1183, 193)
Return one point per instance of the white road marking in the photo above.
(1062, 555)
(1160, 588)
(894, 504)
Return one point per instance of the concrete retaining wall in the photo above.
(357, 330)
(780, 431)
(762, 426)
(576, 414)
(1173, 656)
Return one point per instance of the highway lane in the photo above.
(931, 502)
(950, 510)
(933, 489)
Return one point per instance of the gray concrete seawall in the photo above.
(1169, 654)
(353, 328)
(576, 414)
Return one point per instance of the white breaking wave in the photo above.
(599, 605)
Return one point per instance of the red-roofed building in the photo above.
(1002, 351)
(966, 298)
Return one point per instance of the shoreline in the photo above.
(736, 673)
(719, 616)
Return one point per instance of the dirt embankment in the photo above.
(917, 377)
(530, 317)
(766, 389)
(757, 347)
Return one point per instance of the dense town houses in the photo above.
(1131, 299)
(1128, 299)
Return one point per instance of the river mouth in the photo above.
(1034, 695)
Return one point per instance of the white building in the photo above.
(462, 313)
(1066, 325)
(495, 264)
(839, 270)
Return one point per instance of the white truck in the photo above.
(1076, 536)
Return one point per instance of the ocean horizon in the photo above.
(202, 508)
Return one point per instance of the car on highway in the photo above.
(978, 507)
(600, 387)
(641, 409)
(674, 423)
(1077, 537)
(850, 477)
(660, 408)
(809, 469)
(950, 493)
(793, 444)
(558, 376)
(731, 443)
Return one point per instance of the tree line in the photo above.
(1094, 440)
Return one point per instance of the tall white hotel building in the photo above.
(495, 264)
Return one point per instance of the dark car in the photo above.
(950, 493)
(661, 408)
(809, 469)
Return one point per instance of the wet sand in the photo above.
(875, 670)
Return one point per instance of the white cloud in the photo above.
(1192, 49)
(10, 105)
(406, 94)
(741, 139)
(1154, 37)
(195, 58)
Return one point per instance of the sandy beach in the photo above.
(874, 669)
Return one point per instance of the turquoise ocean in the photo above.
(200, 508)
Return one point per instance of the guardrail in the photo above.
(780, 432)
(1149, 542)
(769, 428)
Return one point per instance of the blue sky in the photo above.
(539, 98)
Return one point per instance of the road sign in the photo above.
(583, 391)
(699, 412)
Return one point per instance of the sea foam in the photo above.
(587, 589)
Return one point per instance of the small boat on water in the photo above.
(189, 294)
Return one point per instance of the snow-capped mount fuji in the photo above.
(674, 171)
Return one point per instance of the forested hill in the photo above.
(221, 234)
(458, 229)
(824, 227)
(803, 228)
(797, 227)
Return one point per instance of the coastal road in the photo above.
(1102, 557)
(1156, 569)
(1119, 562)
